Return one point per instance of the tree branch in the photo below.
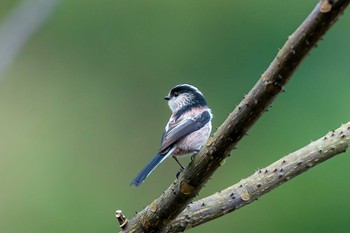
(262, 181)
(162, 211)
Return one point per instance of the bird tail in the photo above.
(142, 175)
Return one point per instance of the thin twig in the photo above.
(262, 181)
(162, 211)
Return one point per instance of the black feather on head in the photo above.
(198, 97)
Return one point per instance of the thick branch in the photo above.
(163, 211)
(262, 181)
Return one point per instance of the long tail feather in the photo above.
(142, 175)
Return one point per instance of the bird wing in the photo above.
(182, 128)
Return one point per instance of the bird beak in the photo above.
(166, 97)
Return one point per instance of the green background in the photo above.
(82, 112)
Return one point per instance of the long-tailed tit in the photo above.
(188, 128)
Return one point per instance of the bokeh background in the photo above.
(82, 112)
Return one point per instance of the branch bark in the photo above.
(262, 181)
(162, 211)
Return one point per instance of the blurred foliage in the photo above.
(82, 112)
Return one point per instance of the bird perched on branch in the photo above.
(186, 132)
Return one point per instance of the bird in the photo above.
(187, 130)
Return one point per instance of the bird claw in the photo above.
(193, 156)
(179, 172)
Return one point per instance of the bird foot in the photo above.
(194, 154)
(179, 172)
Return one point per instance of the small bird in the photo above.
(186, 132)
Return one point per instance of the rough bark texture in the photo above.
(262, 181)
(162, 211)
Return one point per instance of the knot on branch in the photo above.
(245, 196)
(186, 188)
(273, 87)
(326, 6)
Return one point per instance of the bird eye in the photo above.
(176, 94)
